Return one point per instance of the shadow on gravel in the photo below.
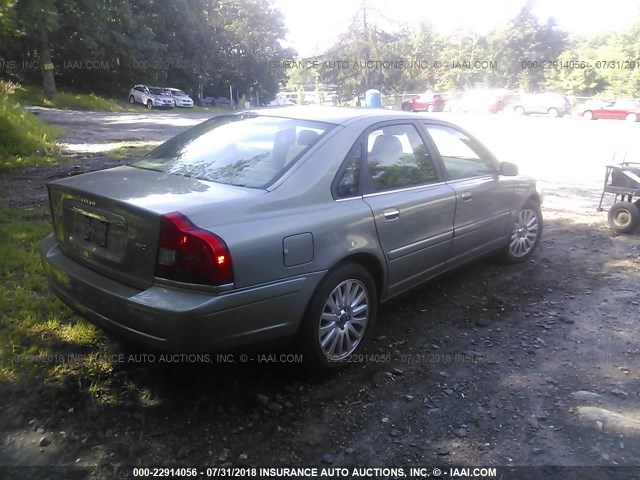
(483, 367)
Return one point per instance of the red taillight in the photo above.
(192, 255)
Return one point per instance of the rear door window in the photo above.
(398, 158)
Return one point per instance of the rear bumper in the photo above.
(178, 319)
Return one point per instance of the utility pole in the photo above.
(367, 41)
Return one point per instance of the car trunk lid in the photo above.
(110, 221)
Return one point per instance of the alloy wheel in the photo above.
(344, 319)
(524, 233)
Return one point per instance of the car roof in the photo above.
(337, 115)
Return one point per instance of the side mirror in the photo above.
(508, 169)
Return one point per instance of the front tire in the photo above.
(519, 110)
(553, 112)
(149, 105)
(624, 217)
(429, 108)
(631, 117)
(132, 99)
(588, 115)
(525, 234)
(339, 317)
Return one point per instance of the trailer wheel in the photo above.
(624, 217)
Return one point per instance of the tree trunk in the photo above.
(46, 67)
(200, 93)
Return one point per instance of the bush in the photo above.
(21, 132)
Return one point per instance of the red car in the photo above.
(615, 109)
(429, 102)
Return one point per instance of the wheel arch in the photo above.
(372, 264)
(367, 260)
(533, 196)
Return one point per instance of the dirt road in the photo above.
(530, 365)
(91, 132)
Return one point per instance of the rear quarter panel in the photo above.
(300, 203)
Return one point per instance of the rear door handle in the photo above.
(391, 214)
(466, 196)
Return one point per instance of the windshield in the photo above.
(178, 93)
(155, 91)
(236, 150)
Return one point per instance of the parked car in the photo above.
(281, 100)
(151, 96)
(180, 99)
(478, 101)
(551, 104)
(282, 223)
(220, 102)
(614, 109)
(428, 101)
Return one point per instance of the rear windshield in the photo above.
(236, 150)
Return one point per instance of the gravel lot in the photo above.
(530, 365)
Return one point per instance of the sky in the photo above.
(314, 25)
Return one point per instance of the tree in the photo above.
(364, 57)
(250, 32)
(525, 39)
(37, 19)
(7, 25)
(108, 46)
(622, 52)
(577, 81)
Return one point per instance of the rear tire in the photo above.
(588, 115)
(339, 318)
(519, 110)
(525, 234)
(132, 100)
(553, 112)
(429, 108)
(631, 117)
(624, 217)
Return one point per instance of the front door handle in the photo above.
(391, 214)
(466, 196)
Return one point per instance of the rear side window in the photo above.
(236, 150)
(349, 183)
(461, 156)
(398, 158)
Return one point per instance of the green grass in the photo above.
(32, 95)
(23, 137)
(41, 340)
(127, 152)
(34, 325)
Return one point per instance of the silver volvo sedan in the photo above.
(288, 222)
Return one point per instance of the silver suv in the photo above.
(151, 96)
(551, 104)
